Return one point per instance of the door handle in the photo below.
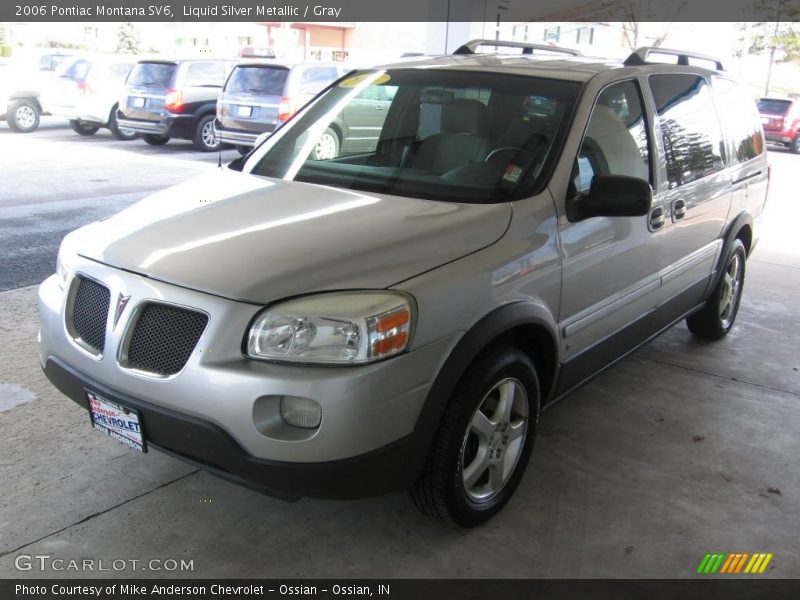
(656, 218)
(678, 209)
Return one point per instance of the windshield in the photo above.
(152, 74)
(769, 106)
(426, 133)
(268, 81)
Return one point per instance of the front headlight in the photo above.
(334, 328)
(64, 262)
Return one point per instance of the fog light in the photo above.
(301, 412)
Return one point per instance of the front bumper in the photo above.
(211, 448)
(779, 137)
(214, 411)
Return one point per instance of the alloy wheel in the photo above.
(494, 441)
(731, 290)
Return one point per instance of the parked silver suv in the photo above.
(399, 317)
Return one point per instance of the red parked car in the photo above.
(781, 120)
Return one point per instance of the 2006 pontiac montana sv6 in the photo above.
(397, 318)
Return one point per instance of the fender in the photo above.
(732, 231)
(475, 341)
(207, 108)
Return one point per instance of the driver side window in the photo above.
(617, 141)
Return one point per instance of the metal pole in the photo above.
(772, 49)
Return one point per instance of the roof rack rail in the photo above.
(472, 45)
(640, 55)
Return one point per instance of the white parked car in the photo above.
(86, 90)
(21, 84)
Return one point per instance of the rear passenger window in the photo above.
(211, 74)
(616, 140)
(693, 144)
(737, 109)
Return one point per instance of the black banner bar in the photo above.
(740, 588)
(407, 10)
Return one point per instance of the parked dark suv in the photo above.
(259, 96)
(166, 99)
(781, 120)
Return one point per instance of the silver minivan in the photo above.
(399, 315)
(261, 95)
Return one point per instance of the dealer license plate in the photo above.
(137, 102)
(244, 111)
(116, 421)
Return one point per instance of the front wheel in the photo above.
(327, 146)
(795, 145)
(484, 441)
(23, 116)
(82, 128)
(205, 137)
(155, 140)
(716, 318)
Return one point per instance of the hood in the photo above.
(257, 239)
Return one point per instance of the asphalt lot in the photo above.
(683, 448)
(73, 181)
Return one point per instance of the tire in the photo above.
(23, 116)
(82, 128)
(243, 149)
(795, 145)
(118, 133)
(205, 138)
(716, 318)
(155, 140)
(327, 147)
(480, 452)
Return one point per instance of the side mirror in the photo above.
(237, 164)
(611, 196)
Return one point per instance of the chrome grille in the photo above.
(89, 314)
(164, 338)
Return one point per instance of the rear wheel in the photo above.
(205, 137)
(82, 128)
(23, 116)
(795, 145)
(716, 318)
(155, 140)
(117, 131)
(484, 441)
(243, 149)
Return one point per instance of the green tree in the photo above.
(778, 33)
(128, 39)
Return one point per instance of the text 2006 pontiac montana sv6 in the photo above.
(398, 317)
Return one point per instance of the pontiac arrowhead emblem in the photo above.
(122, 302)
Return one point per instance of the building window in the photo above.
(584, 35)
(552, 34)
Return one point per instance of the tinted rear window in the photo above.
(741, 124)
(268, 81)
(693, 142)
(773, 107)
(152, 74)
